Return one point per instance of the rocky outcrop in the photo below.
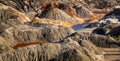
(53, 22)
(56, 14)
(48, 52)
(99, 40)
(83, 12)
(69, 49)
(102, 3)
(28, 34)
(10, 17)
(115, 31)
(106, 29)
(32, 8)
(13, 12)
(100, 31)
(4, 46)
(45, 42)
(113, 14)
(106, 21)
(49, 37)
(57, 17)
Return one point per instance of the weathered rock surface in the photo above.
(53, 22)
(10, 17)
(58, 17)
(83, 12)
(56, 14)
(45, 52)
(114, 14)
(110, 20)
(48, 40)
(60, 43)
(4, 46)
(106, 29)
(115, 31)
(102, 3)
(69, 49)
(24, 33)
(99, 40)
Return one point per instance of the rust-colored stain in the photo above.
(24, 44)
(15, 12)
(67, 8)
(46, 5)
(23, 17)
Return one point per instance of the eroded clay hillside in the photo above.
(42, 30)
(72, 11)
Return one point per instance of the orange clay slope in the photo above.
(51, 4)
(61, 5)
(14, 12)
(65, 23)
(20, 14)
(24, 44)
(57, 16)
